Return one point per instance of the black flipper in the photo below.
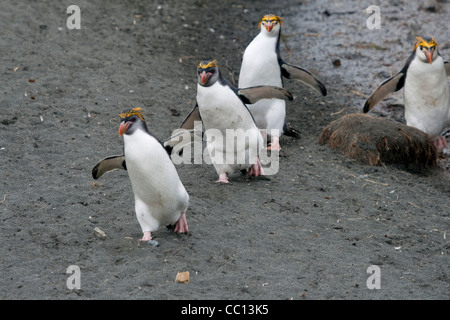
(296, 73)
(391, 85)
(186, 129)
(291, 132)
(109, 164)
(251, 95)
(188, 123)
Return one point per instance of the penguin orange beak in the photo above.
(124, 127)
(429, 55)
(269, 26)
(204, 77)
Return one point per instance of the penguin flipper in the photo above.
(296, 73)
(447, 67)
(291, 132)
(391, 85)
(185, 132)
(109, 164)
(188, 123)
(251, 95)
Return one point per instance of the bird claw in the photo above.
(256, 169)
(223, 178)
(147, 236)
(274, 148)
(275, 144)
(181, 225)
(440, 143)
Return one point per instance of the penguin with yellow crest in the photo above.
(263, 65)
(159, 195)
(223, 109)
(425, 90)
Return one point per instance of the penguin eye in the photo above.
(421, 47)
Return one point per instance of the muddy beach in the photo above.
(311, 231)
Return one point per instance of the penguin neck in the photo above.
(264, 43)
(224, 82)
(427, 71)
(140, 131)
(273, 38)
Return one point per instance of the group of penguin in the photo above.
(258, 106)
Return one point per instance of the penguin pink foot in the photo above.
(275, 144)
(147, 236)
(440, 143)
(181, 225)
(256, 169)
(223, 178)
(153, 176)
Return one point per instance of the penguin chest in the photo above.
(221, 109)
(426, 96)
(260, 66)
(260, 63)
(153, 176)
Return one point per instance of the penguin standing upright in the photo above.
(426, 92)
(160, 197)
(262, 65)
(223, 111)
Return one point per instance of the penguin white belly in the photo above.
(233, 140)
(260, 63)
(160, 197)
(260, 67)
(269, 115)
(426, 97)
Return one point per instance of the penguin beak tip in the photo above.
(429, 56)
(204, 78)
(123, 128)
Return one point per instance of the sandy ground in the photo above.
(309, 232)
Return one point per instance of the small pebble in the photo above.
(99, 233)
(153, 243)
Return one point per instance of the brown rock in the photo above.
(182, 277)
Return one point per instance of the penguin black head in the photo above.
(426, 49)
(131, 120)
(270, 24)
(208, 73)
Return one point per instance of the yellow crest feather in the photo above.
(208, 65)
(422, 42)
(132, 112)
(270, 17)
